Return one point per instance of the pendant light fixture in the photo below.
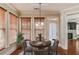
(40, 11)
(40, 23)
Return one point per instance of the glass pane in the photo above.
(52, 31)
(2, 28)
(26, 27)
(13, 29)
(39, 26)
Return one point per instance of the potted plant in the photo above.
(20, 39)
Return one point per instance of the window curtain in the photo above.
(2, 28)
(26, 27)
(13, 29)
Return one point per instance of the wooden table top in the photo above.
(40, 44)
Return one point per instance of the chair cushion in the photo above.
(28, 45)
(28, 49)
(52, 42)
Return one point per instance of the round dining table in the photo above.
(40, 44)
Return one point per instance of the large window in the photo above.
(2, 28)
(26, 27)
(13, 29)
(39, 26)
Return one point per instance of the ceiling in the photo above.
(47, 7)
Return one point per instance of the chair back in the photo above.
(55, 45)
(24, 44)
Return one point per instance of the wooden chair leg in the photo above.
(24, 53)
(49, 52)
(32, 52)
(56, 52)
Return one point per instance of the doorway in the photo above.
(73, 34)
(52, 31)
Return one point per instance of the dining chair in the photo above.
(43, 51)
(27, 49)
(54, 47)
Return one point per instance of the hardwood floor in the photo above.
(62, 51)
(2, 49)
(73, 47)
(17, 51)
